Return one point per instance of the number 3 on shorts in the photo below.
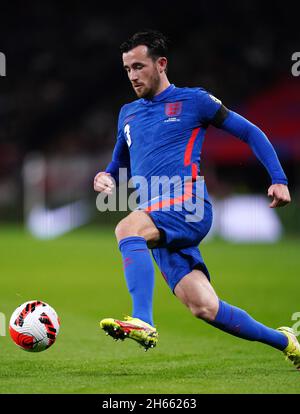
(127, 133)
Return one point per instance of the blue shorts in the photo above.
(177, 253)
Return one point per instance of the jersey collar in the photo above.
(161, 96)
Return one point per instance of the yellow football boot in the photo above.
(292, 351)
(132, 328)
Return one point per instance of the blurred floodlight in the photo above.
(42, 222)
(247, 219)
(47, 224)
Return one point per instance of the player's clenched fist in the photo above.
(103, 183)
(280, 194)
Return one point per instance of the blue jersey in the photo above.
(163, 136)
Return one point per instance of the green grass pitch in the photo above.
(80, 275)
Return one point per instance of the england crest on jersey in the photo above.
(173, 109)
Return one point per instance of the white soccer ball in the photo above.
(34, 326)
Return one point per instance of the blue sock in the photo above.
(139, 274)
(237, 322)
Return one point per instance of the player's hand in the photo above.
(281, 195)
(103, 183)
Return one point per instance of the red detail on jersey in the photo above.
(30, 307)
(173, 109)
(188, 185)
(129, 118)
(194, 171)
(23, 340)
(188, 188)
(189, 147)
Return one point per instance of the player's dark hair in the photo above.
(156, 42)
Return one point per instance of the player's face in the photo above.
(143, 71)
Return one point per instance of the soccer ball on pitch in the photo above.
(34, 326)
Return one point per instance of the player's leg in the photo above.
(133, 233)
(196, 292)
(181, 270)
(139, 224)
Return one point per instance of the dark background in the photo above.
(65, 82)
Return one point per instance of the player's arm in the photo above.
(249, 133)
(120, 159)
(213, 112)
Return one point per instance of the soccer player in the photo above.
(160, 135)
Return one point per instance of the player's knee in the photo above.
(136, 224)
(124, 229)
(206, 312)
(130, 226)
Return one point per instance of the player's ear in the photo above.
(162, 64)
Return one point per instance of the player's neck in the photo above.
(164, 84)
